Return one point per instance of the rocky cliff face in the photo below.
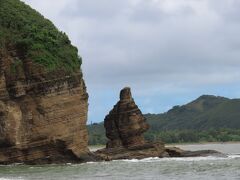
(125, 123)
(42, 115)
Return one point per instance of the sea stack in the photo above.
(43, 97)
(125, 124)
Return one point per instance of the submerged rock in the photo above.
(177, 152)
(125, 126)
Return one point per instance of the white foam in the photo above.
(207, 158)
(141, 160)
(91, 162)
(212, 158)
(234, 156)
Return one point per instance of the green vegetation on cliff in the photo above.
(208, 118)
(35, 37)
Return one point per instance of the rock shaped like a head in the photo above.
(125, 94)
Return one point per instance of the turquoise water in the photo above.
(204, 168)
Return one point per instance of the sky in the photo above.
(168, 51)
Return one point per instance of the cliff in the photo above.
(43, 98)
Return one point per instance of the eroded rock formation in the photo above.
(42, 115)
(125, 124)
(43, 97)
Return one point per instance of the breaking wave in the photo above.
(207, 158)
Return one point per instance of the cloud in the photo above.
(158, 47)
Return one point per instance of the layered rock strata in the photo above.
(42, 114)
(125, 123)
(125, 126)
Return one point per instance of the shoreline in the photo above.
(203, 143)
(93, 148)
(187, 143)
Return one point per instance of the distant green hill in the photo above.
(206, 112)
(208, 118)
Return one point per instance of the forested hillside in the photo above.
(208, 118)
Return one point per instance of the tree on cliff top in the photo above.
(27, 31)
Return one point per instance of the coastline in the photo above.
(203, 143)
(93, 148)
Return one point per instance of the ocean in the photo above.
(202, 168)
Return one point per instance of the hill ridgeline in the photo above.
(208, 118)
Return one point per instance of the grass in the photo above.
(36, 38)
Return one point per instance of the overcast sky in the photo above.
(168, 51)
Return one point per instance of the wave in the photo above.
(234, 156)
(207, 158)
(151, 159)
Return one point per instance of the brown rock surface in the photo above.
(125, 126)
(42, 115)
(137, 152)
(125, 123)
(177, 152)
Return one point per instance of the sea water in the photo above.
(202, 168)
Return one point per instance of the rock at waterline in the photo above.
(43, 97)
(125, 126)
